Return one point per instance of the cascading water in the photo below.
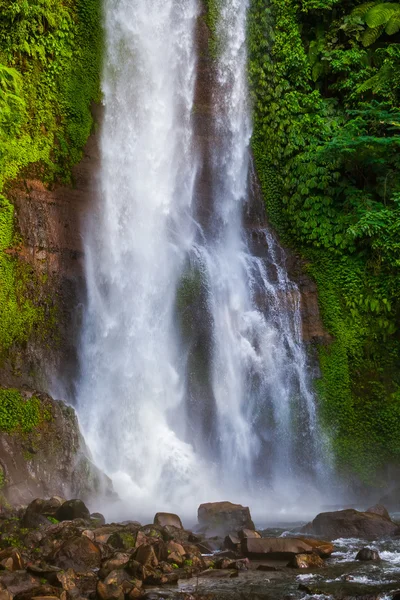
(194, 382)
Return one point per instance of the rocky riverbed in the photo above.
(57, 550)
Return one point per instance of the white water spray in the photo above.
(175, 421)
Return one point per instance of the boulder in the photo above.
(352, 523)
(115, 586)
(248, 533)
(366, 554)
(18, 582)
(78, 553)
(222, 518)
(232, 542)
(34, 516)
(11, 559)
(277, 548)
(320, 547)
(146, 556)
(379, 509)
(167, 519)
(117, 561)
(72, 509)
(306, 561)
(98, 519)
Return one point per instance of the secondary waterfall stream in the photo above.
(194, 381)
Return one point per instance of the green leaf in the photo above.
(371, 35)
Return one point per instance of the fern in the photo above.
(380, 14)
(393, 25)
(371, 35)
(361, 11)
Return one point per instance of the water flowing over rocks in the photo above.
(51, 459)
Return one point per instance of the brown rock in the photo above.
(221, 518)
(115, 586)
(306, 561)
(78, 553)
(13, 558)
(146, 556)
(118, 561)
(248, 533)
(168, 519)
(352, 523)
(320, 547)
(174, 547)
(279, 548)
(379, 509)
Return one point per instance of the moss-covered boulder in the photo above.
(42, 451)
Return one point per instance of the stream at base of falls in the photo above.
(342, 577)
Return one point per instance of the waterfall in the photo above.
(194, 380)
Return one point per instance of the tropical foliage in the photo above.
(325, 78)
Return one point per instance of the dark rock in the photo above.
(232, 542)
(34, 517)
(367, 554)
(396, 595)
(78, 553)
(306, 561)
(280, 548)
(98, 519)
(221, 518)
(379, 509)
(164, 519)
(351, 523)
(72, 509)
(122, 540)
(265, 567)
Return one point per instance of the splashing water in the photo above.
(194, 381)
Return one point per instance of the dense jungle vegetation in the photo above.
(50, 53)
(325, 78)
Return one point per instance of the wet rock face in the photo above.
(51, 221)
(222, 518)
(50, 460)
(351, 523)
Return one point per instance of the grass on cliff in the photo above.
(19, 414)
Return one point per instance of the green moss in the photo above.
(18, 414)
